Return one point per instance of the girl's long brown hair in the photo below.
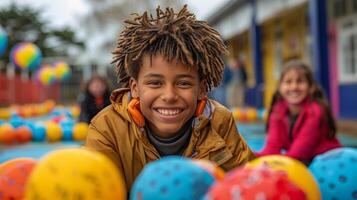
(176, 36)
(316, 94)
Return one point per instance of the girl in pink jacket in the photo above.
(300, 122)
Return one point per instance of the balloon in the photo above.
(3, 41)
(75, 174)
(26, 55)
(46, 75)
(62, 71)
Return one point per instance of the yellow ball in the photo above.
(76, 110)
(252, 114)
(80, 131)
(296, 171)
(54, 132)
(75, 174)
(5, 113)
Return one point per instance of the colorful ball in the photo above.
(67, 133)
(244, 183)
(23, 134)
(336, 173)
(296, 171)
(62, 71)
(5, 113)
(172, 178)
(75, 174)
(26, 55)
(211, 168)
(80, 131)
(38, 133)
(3, 41)
(54, 132)
(251, 114)
(7, 134)
(13, 177)
(46, 75)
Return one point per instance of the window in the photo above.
(347, 50)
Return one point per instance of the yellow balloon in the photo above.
(296, 171)
(75, 174)
(80, 131)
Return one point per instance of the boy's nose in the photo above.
(169, 94)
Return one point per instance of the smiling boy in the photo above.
(165, 67)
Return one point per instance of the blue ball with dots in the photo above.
(336, 173)
(171, 177)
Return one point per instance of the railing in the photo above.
(17, 90)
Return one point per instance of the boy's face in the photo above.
(168, 94)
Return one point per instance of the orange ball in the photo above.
(23, 134)
(252, 114)
(7, 134)
(13, 177)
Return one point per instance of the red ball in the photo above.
(23, 134)
(13, 177)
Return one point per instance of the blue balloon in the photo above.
(173, 178)
(336, 173)
(39, 133)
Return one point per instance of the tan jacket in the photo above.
(214, 137)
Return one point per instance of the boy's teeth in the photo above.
(168, 112)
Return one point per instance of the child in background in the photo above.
(300, 120)
(95, 98)
(166, 64)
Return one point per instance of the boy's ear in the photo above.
(202, 93)
(133, 84)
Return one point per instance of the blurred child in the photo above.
(95, 98)
(300, 120)
(166, 63)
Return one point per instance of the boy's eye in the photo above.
(184, 84)
(154, 83)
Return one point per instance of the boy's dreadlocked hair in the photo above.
(176, 36)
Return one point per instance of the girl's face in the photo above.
(168, 94)
(294, 87)
(97, 88)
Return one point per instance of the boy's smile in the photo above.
(168, 94)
